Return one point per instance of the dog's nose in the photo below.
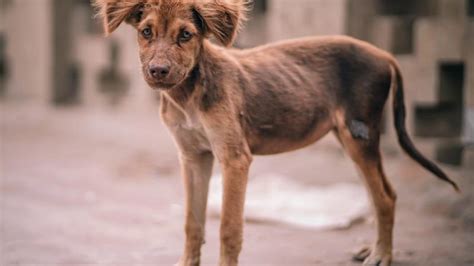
(159, 72)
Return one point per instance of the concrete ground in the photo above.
(102, 187)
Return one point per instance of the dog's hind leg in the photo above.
(364, 151)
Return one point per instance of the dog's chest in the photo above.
(186, 128)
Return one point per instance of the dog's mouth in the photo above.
(163, 84)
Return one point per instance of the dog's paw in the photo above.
(188, 262)
(372, 258)
(361, 254)
(378, 260)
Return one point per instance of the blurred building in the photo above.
(53, 52)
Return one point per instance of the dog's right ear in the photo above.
(114, 12)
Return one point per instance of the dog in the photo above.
(229, 104)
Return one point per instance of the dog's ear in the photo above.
(221, 18)
(114, 12)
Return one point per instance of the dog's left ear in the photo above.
(114, 12)
(221, 18)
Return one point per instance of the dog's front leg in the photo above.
(230, 147)
(235, 169)
(197, 170)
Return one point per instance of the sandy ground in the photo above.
(84, 187)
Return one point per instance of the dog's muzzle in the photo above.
(159, 72)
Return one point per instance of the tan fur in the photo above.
(229, 104)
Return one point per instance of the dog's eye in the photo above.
(185, 36)
(147, 33)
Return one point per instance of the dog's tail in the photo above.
(406, 143)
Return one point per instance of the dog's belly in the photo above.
(261, 144)
(286, 123)
(284, 111)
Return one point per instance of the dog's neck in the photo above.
(205, 76)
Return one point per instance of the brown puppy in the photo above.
(229, 104)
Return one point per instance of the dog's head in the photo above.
(171, 32)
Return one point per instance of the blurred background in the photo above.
(90, 175)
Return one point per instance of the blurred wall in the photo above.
(26, 27)
(55, 53)
(274, 20)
